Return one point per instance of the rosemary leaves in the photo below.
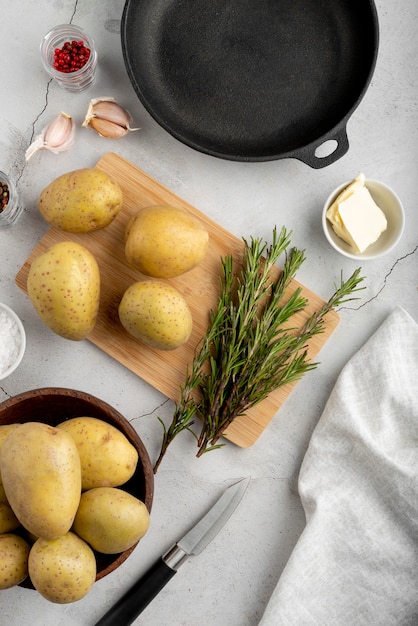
(250, 348)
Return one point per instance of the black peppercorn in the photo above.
(4, 190)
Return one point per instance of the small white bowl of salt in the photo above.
(12, 341)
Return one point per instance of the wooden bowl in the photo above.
(52, 405)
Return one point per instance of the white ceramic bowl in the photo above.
(11, 353)
(391, 206)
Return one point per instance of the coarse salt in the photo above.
(10, 341)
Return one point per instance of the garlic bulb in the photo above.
(56, 137)
(108, 118)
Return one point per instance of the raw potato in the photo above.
(62, 570)
(110, 519)
(81, 201)
(14, 552)
(108, 459)
(8, 520)
(64, 287)
(164, 241)
(5, 430)
(41, 472)
(156, 314)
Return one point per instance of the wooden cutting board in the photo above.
(166, 370)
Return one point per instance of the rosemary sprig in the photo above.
(250, 348)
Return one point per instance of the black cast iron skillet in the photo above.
(252, 80)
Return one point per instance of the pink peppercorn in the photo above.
(72, 56)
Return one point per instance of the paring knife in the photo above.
(134, 601)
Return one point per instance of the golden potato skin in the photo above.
(81, 201)
(111, 520)
(8, 520)
(64, 288)
(157, 314)
(165, 241)
(62, 570)
(41, 472)
(5, 430)
(108, 459)
(14, 553)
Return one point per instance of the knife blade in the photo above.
(137, 598)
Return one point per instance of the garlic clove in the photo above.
(59, 132)
(57, 136)
(107, 117)
(109, 109)
(107, 129)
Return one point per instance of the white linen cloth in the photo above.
(356, 562)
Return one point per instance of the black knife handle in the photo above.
(134, 601)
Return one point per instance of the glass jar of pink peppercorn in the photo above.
(69, 56)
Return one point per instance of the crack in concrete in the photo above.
(157, 408)
(42, 110)
(21, 169)
(32, 135)
(385, 280)
(74, 11)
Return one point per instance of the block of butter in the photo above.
(355, 217)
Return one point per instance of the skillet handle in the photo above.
(308, 156)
